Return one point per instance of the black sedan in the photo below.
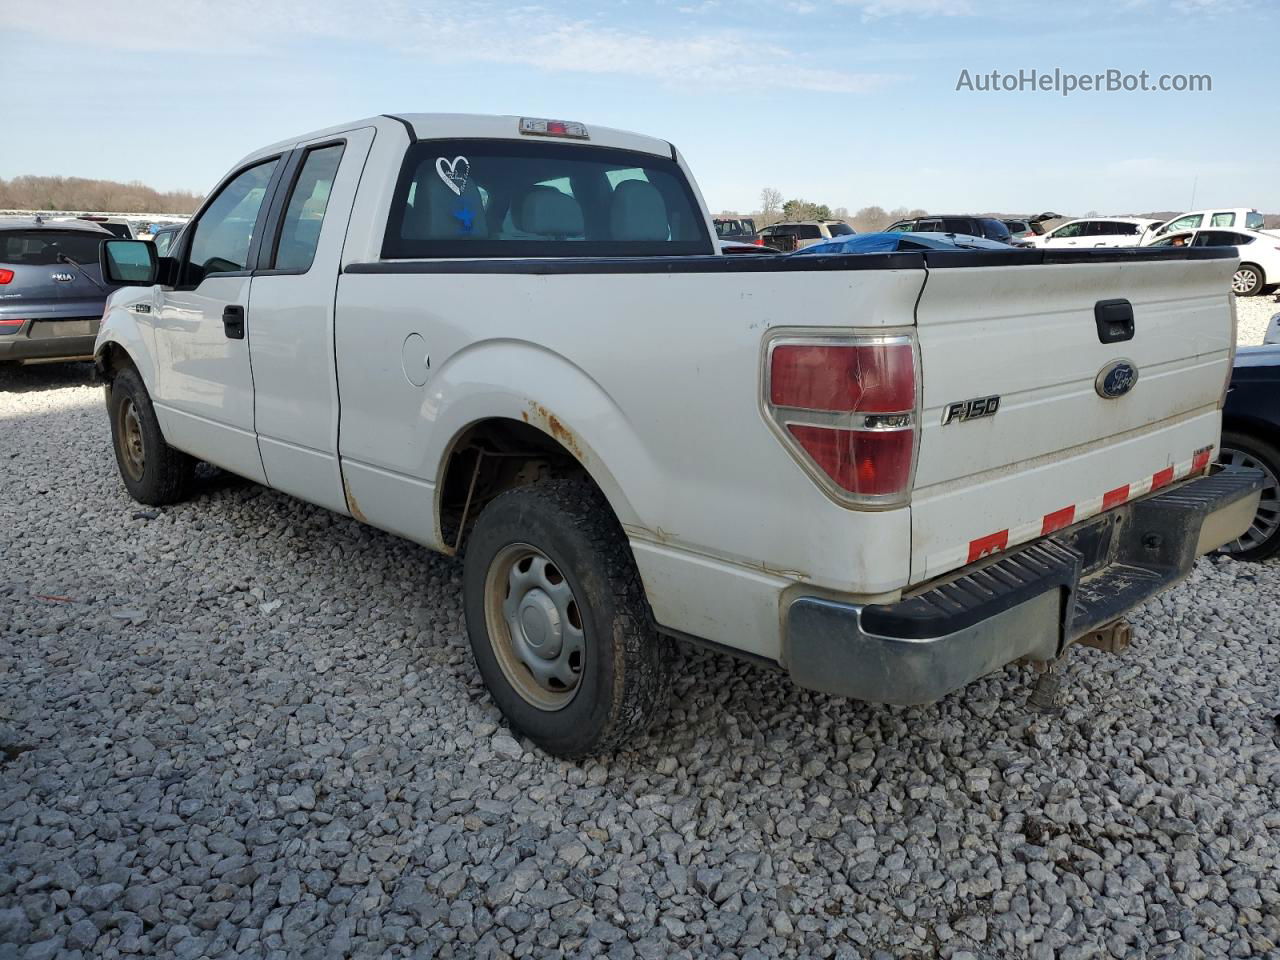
(1251, 438)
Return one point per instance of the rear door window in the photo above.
(957, 225)
(1223, 219)
(300, 226)
(839, 229)
(498, 198)
(808, 231)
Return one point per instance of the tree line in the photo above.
(866, 220)
(79, 193)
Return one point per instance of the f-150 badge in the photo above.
(970, 410)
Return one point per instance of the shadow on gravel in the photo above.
(39, 377)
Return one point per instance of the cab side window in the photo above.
(224, 232)
(300, 226)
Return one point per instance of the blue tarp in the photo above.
(892, 242)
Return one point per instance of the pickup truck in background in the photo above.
(887, 474)
(793, 235)
(737, 229)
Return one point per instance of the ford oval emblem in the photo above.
(1116, 379)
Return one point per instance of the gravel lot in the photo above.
(1252, 316)
(245, 726)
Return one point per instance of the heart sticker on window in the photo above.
(454, 174)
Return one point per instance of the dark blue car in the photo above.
(1251, 438)
(51, 291)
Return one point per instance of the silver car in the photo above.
(51, 291)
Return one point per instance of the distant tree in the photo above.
(770, 206)
(799, 209)
(871, 219)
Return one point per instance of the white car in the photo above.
(1236, 217)
(1092, 232)
(1259, 254)
(513, 339)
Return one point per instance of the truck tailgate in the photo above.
(1056, 451)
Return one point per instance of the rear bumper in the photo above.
(1031, 602)
(51, 339)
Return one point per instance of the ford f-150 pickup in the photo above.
(888, 474)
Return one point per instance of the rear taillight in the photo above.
(846, 409)
(6, 276)
(11, 324)
(759, 241)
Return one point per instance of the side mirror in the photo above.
(129, 262)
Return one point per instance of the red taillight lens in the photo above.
(846, 408)
(873, 463)
(759, 240)
(870, 378)
(6, 276)
(11, 324)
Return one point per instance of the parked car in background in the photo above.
(1021, 229)
(51, 289)
(795, 234)
(742, 229)
(1259, 253)
(988, 227)
(164, 236)
(116, 226)
(1094, 232)
(1231, 217)
(1251, 438)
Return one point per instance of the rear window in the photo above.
(839, 229)
(497, 198)
(40, 248)
(1253, 220)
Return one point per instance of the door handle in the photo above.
(233, 321)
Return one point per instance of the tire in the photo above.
(153, 472)
(549, 583)
(1248, 280)
(1262, 540)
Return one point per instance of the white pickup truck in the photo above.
(888, 474)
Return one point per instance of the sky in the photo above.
(845, 102)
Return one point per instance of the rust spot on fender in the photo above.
(553, 426)
(351, 502)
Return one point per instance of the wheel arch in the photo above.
(493, 454)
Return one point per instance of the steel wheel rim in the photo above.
(133, 455)
(1266, 522)
(534, 626)
(1243, 281)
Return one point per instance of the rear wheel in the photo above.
(1248, 280)
(1262, 539)
(558, 621)
(153, 472)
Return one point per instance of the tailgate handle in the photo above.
(1114, 319)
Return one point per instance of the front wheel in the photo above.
(153, 472)
(558, 620)
(1262, 539)
(1248, 280)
